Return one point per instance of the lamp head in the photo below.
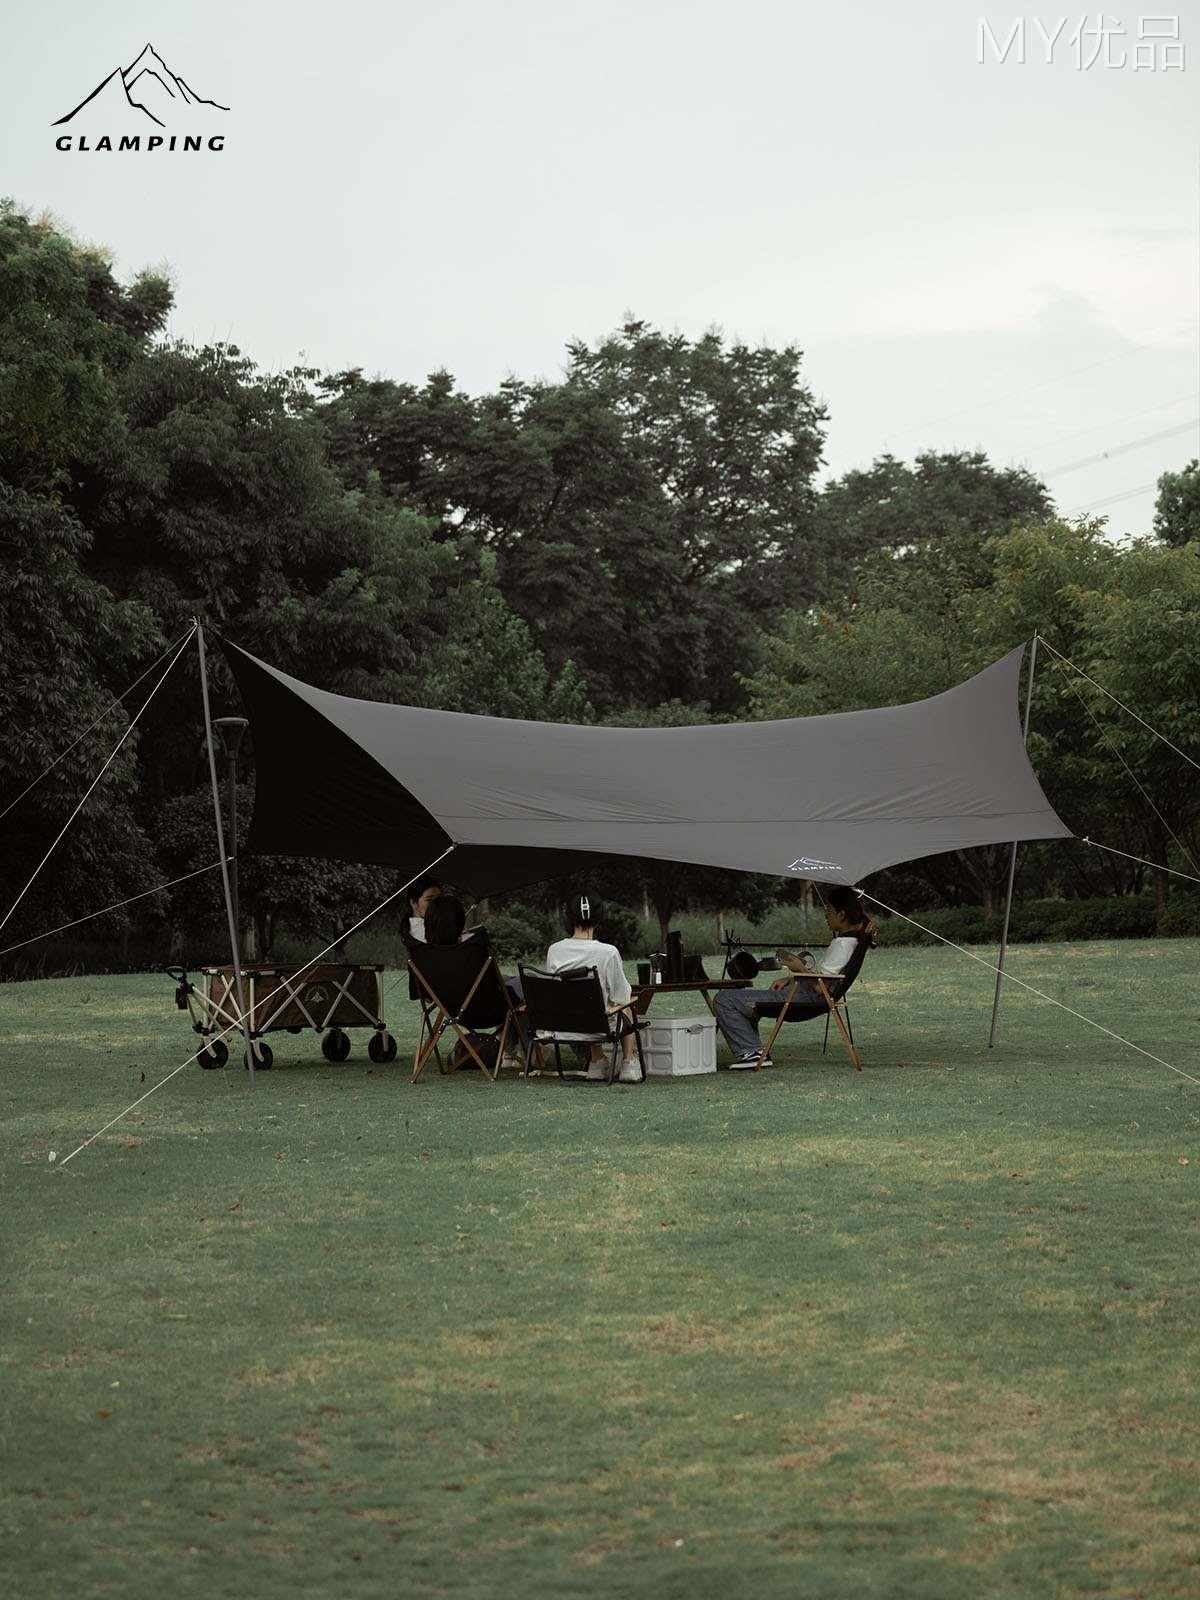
(232, 730)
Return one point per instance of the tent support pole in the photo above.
(225, 883)
(1012, 860)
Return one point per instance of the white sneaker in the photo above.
(629, 1073)
(597, 1071)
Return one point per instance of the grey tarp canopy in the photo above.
(832, 798)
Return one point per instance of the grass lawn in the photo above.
(926, 1331)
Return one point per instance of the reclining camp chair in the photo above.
(460, 985)
(831, 1004)
(572, 1002)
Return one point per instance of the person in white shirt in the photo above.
(583, 949)
(738, 1010)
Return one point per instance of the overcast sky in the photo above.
(1002, 256)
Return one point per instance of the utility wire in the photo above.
(1121, 449)
(1044, 383)
(1115, 422)
(1111, 499)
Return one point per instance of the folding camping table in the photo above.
(643, 993)
(329, 998)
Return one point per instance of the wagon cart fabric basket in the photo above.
(329, 998)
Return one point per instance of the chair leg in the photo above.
(612, 1065)
(825, 1040)
(846, 1039)
(849, 1026)
(770, 1044)
(430, 1045)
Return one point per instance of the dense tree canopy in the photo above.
(639, 541)
(1129, 617)
(647, 512)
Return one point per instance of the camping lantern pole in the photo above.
(1012, 860)
(232, 730)
(229, 911)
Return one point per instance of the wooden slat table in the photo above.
(644, 993)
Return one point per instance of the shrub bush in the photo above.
(1049, 921)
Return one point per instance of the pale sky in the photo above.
(1001, 256)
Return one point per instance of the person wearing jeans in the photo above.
(738, 1010)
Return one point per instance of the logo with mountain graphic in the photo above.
(145, 95)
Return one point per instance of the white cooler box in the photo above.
(680, 1047)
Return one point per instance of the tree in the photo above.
(929, 617)
(1177, 507)
(646, 513)
(67, 330)
(891, 506)
(143, 484)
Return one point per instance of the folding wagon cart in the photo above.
(329, 999)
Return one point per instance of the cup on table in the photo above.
(643, 972)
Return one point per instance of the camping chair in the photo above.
(460, 984)
(428, 1009)
(831, 1004)
(572, 1002)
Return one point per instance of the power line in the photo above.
(1123, 449)
(1044, 383)
(1112, 499)
(1116, 422)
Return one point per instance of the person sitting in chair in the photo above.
(421, 896)
(738, 1010)
(583, 949)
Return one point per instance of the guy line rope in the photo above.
(239, 1020)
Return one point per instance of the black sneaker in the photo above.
(746, 1063)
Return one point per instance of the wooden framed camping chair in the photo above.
(832, 1003)
(464, 990)
(428, 1009)
(569, 1008)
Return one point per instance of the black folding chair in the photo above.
(462, 986)
(831, 1004)
(572, 1002)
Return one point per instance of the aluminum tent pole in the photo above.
(229, 913)
(1012, 860)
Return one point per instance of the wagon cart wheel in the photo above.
(213, 1055)
(264, 1059)
(335, 1046)
(382, 1047)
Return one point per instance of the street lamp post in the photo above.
(232, 730)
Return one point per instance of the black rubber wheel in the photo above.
(382, 1048)
(335, 1046)
(264, 1060)
(214, 1055)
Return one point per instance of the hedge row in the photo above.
(1053, 921)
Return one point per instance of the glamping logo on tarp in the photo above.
(807, 864)
(126, 107)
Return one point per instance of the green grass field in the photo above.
(926, 1331)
